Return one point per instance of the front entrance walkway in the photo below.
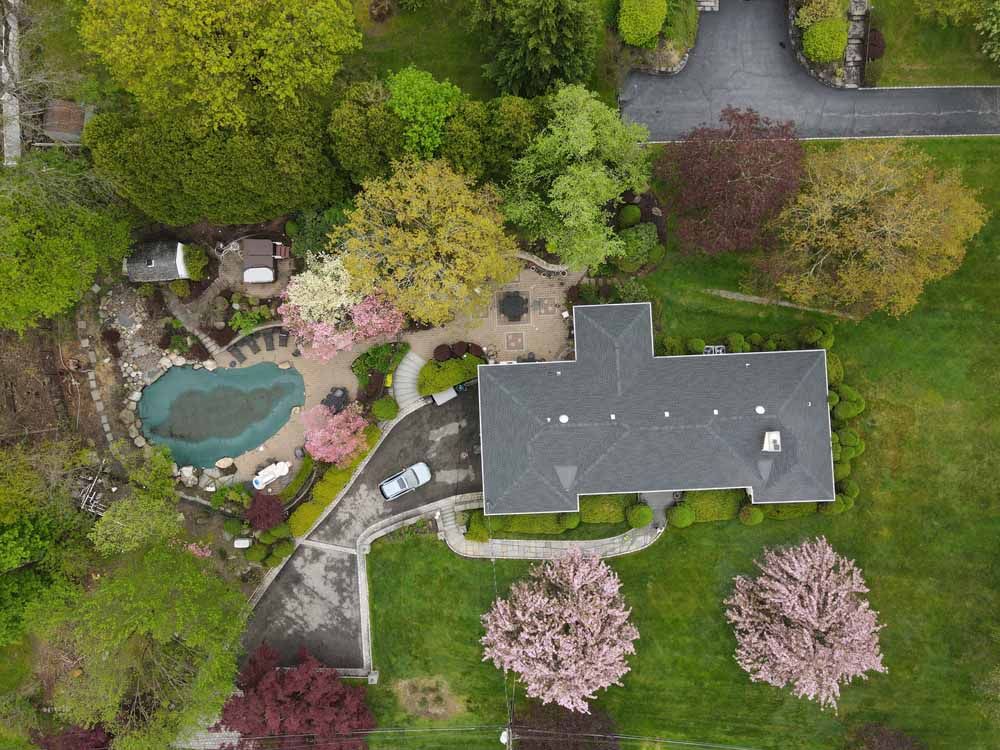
(739, 61)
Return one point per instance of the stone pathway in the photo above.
(95, 393)
(743, 58)
(535, 549)
(404, 380)
(190, 320)
(754, 300)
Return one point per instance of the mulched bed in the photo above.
(647, 202)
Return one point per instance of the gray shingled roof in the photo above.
(533, 463)
(163, 254)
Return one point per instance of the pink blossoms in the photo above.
(565, 631)
(803, 622)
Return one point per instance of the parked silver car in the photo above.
(405, 481)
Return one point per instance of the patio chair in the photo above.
(282, 337)
(268, 337)
(238, 354)
(252, 345)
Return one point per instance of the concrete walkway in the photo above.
(536, 549)
(739, 61)
(404, 380)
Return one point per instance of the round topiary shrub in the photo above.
(640, 21)
(628, 216)
(385, 409)
(696, 346)
(751, 515)
(849, 488)
(826, 40)
(680, 516)
(256, 552)
(876, 44)
(639, 515)
(756, 341)
(735, 343)
(233, 526)
(570, 520)
(281, 531)
(283, 549)
(835, 508)
(848, 409)
(834, 369)
(832, 398)
(841, 470)
(291, 227)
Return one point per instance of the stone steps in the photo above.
(404, 380)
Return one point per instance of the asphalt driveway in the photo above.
(739, 61)
(314, 602)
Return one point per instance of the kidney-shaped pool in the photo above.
(202, 416)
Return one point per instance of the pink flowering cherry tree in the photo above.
(334, 438)
(565, 631)
(376, 316)
(804, 622)
(371, 317)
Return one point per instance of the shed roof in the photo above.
(160, 260)
(619, 419)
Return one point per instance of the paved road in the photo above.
(738, 61)
(314, 601)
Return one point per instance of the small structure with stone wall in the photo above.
(847, 73)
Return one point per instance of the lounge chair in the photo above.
(268, 337)
(252, 345)
(238, 354)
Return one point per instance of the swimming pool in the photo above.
(202, 416)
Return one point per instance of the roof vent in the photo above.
(760, 409)
(612, 416)
(772, 442)
(563, 418)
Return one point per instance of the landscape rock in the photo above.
(284, 365)
(133, 432)
(209, 364)
(135, 396)
(165, 363)
(212, 473)
(187, 471)
(140, 441)
(126, 416)
(224, 463)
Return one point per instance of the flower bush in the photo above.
(334, 438)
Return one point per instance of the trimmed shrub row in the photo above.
(271, 546)
(595, 509)
(329, 486)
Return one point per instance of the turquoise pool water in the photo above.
(202, 416)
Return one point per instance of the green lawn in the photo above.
(924, 532)
(922, 52)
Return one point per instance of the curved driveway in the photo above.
(739, 61)
(314, 602)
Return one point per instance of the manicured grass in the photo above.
(924, 532)
(437, 38)
(920, 52)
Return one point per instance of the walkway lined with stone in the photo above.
(743, 58)
(190, 320)
(450, 524)
(404, 380)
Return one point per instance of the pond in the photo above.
(202, 416)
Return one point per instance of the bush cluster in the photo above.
(304, 517)
(640, 21)
(826, 40)
(385, 409)
(595, 509)
(813, 11)
(605, 508)
(751, 515)
(639, 515)
(271, 546)
(788, 511)
(301, 477)
(680, 516)
(383, 358)
(196, 262)
(642, 246)
(437, 376)
(628, 216)
(714, 505)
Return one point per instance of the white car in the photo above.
(405, 481)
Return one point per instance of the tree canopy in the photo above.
(173, 631)
(218, 63)
(429, 241)
(177, 176)
(560, 190)
(58, 229)
(872, 225)
(536, 44)
(731, 180)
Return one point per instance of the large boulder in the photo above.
(224, 463)
(209, 364)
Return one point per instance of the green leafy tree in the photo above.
(148, 513)
(214, 63)
(23, 487)
(989, 28)
(564, 189)
(366, 134)
(156, 642)
(484, 139)
(178, 177)
(536, 44)
(423, 104)
(951, 12)
(427, 240)
(57, 231)
(874, 222)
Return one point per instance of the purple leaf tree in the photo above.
(564, 630)
(334, 438)
(804, 622)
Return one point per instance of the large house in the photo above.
(619, 419)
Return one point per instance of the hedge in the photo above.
(304, 517)
(288, 494)
(605, 508)
(841, 470)
(835, 508)
(639, 515)
(640, 21)
(532, 523)
(834, 369)
(385, 409)
(826, 40)
(849, 488)
(283, 548)
(680, 516)
(437, 376)
(751, 515)
(696, 346)
(714, 505)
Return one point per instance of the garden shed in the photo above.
(162, 260)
